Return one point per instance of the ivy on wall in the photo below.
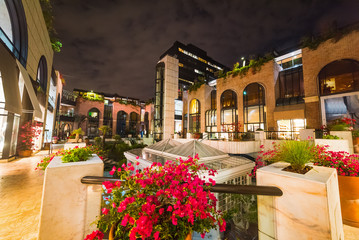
(334, 33)
(47, 12)
(197, 84)
(255, 65)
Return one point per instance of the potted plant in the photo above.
(347, 166)
(343, 128)
(162, 202)
(55, 139)
(28, 132)
(310, 194)
(356, 140)
(77, 133)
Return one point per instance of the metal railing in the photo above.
(282, 135)
(231, 136)
(218, 188)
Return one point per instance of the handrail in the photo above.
(218, 188)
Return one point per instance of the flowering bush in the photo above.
(161, 202)
(345, 163)
(76, 155)
(27, 133)
(344, 124)
(42, 165)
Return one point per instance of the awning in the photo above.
(30, 90)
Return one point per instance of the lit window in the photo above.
(180, 64)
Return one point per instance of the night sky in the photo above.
(113, 45)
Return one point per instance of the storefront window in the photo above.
(289, 128)
(93, 124)
(229, 115)
(14, 134)
(3, 124)
(339, 77)
(254, 107)
(194, 116)
(211, 121)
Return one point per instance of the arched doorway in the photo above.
(93, 122)
(121, 123)
(194, 116)
(134, 118)
(254, 107)
(339, 91)
(229, 114)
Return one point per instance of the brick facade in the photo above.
(313, 61)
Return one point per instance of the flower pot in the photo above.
(349, 199)
(54, 141)
(25, 153)
(113, 228)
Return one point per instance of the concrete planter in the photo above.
(308, 209)
(345, 135)
(335, 145)
(68, 207)
(69, 146)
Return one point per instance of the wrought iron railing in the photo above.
(231, 136)
(218, 188)
(282, 135)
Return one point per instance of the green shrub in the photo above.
(118, 138)
(296, 153)
(76, 155)
(330, 137)
(98, 141)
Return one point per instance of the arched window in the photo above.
(229, 115)
(211, 120)
(42, 73)
(93, 122)
(134, 118)
(194, 116)
(214, 99)
(339, 77)
(121, 123)
(254, 107)
(13, 28)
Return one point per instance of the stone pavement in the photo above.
(20, 202)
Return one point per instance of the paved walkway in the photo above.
(20, 202)
(20, 191)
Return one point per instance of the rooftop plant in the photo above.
(47, 12)
(255, 65)
(161, 202)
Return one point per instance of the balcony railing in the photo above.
(231, 136)
(10, 45)
(282, 135)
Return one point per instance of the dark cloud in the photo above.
(114, 45)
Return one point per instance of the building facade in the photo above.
(26, 58)
(305, 88)
(178, 69)
(90, 110)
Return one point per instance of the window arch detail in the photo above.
(340, 76)
(254, 107)
(194, 116)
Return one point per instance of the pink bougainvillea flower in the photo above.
(105, 211)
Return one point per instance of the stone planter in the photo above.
(68, 146)
(25, 153)
(308, 209)
(335, 145)
(345, 135)
(68, 207)
(349, 199)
